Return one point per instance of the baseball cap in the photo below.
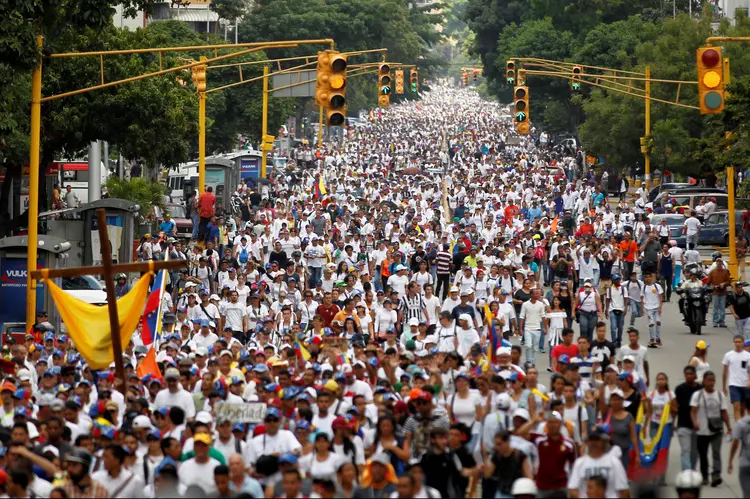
(288, 458)
(141, 423)
(702, 345)
(521, 413)
(172, 373)
(414, 321)
(203, 438)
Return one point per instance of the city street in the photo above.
(671, 359)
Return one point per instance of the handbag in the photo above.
(714, 423)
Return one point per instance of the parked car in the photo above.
(675, 222)
(179, 215)
(86, 288)
(666, 187)
(690, 197)
(715, 229)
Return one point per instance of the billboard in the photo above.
(13, 290)
(249, 168)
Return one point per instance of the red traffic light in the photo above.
(710, 58)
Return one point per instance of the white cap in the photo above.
(23, 375)
(141, 423)
(628, 357)
(204, 417)
(521, 413)
(226, 352)
(414, 321)
(358, 363)
(454, 289)
(466, 292)
(464, 317)
(202, 351)
(502, 351)
(214, 297)
(503, 401)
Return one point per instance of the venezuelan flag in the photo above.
(655, 454)
(301, 351)
(322, 186)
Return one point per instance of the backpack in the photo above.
(243, 255)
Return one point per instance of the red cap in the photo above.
(259, 430)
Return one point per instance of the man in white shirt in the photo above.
(274, 441)
(651, 300)
(531, 322)
(234, 314)
(175, 395)
(735, 375)
(691, 228)
(118, 480)
(199, 470)
(601, 461)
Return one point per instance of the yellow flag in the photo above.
(88, 325)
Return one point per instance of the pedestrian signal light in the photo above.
(510, 72)
(199, 77)
(521, 104)
(414, 80)
(710, 80)
(576, 81)
(384, 85)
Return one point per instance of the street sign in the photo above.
(307, 80)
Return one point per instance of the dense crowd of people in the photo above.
(436, 307)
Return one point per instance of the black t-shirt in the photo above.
(523, 296)
(683, 393)
(440, 470)
(605, 350)
(741, 305)
(463, 309)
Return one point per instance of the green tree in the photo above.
(138, 190)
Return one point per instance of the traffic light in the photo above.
(414, 80)
(510, 72)
(330, 88)
(476, 73)
(267, 143)
(710, 80)
(384, 85)
(399, 81)
(576, 81)
(521, 103)
(522, 77)
(199, 77)
(465, 78)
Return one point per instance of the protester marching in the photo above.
(431, 306)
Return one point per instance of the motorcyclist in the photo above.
(688, 484)
(121, 285)
(693, 282)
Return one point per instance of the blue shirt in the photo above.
(250, 486)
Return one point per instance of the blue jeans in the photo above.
(587, 324)
(616, 326)
(719, 303)
(635, 310)
(654, 324)
(316, 273)
(530, 340)
(676, 280)
(196, 225)
(688, 439)
(743, 327)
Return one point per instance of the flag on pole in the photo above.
(322, 186)
(148, 365)
(553, 225)
(151, 332)
(301, 351)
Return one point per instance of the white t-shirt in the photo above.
(737, 363)
(692, 225)
(660, 402)
(316, 469)
(121, 485)
(284, 441)
(651, 296)
(181, 399)
(608, 465)
(532, 314)
(193, 473)
(398, 283)
(465, 409)
(233, 314)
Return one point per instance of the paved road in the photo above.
(671, 359)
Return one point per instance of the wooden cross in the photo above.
(108, 270)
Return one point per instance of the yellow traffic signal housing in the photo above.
(384, 85)
(510, 72)
(414, 80)
(199, 77)
(575, 82)
(475, 75)
(521, 77)
(521, 105)
(465, 78)
(399, 81)
(330, 88)
(710, 80)
(267, 143)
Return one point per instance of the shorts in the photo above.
(738, 394)
(604, 285)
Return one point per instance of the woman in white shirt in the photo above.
(423, 277)
(385, 318)
(698, 360)
(464, 406)
(321, 462)
(659, 400)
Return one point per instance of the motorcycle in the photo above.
(694, 306)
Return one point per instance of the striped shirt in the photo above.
(412, 306)
(586, 366)
(443, 262)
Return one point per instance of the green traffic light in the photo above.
(413, 87)
(576, 86)
(520, 117)
(385, 89)
(511, 80)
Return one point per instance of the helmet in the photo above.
(715, 255)
(688, 479)
(524, 487)
(120, 276)
(78, 455)
(296, 254)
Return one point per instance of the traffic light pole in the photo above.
(264, 123)
(202, 139)
(321, 110)
(646, 150)
(33, 211)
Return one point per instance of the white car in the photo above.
(86, 289)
